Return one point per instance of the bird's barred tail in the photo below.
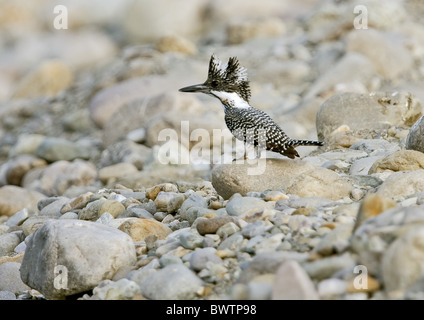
(296, 143)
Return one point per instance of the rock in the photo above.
(14, 199)
(108, 101)
(254, 229)
(268, 262)
(344, 75)
(54, 149)
(241, 31)
(47, 79)
(27, 144)
(260, 288)
(361, 112)
(228, 179)
(54, 208)
(114, 171)
(18, 167)
(402, 160)
(138, 229)
(191, 240)
(227, 230)
(326, 267)
(9, 241)
(362, 166)
(136, 212)
(173, 43)
(73, 256)
(337, 240)
(372, 238)
(193, 201)
(386, 51)
(122, 289)
(401, 184)
(78, 121)
(376, 147)
(152, 193)
(127, 102)
(233, 242)
(174, 282)
(372, 205)
(18, 218)
(10, 279)
(91, 211)
(414, 140)
(321, 182)
(148, 21)
(402, 262)
(245, 206)
(200, 257)
(60, 175)
(33, 223)
(76, 203)
(330, 288)
(169, 201)
(125, 151)
(293, 283)
(182, 125)
(7, 295)
(211, 225)
(220, 12)
(114, 207)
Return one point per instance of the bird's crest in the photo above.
(229, 77)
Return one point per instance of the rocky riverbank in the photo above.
(114, 185)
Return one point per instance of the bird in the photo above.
(229, 83)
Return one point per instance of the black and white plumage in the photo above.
(229, 83)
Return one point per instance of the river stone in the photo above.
(271, 173)
(66, 257)
(293, 283)
(10, 279)
(402, 160)
(402, 183)
(14, 199)
(174, 282)
(402, 262)
(360, 112)
(414, 140)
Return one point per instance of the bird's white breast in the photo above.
(231, 98)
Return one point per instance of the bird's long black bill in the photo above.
(194, 88)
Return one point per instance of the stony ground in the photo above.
(107, 191)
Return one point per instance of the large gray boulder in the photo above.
(367, 114)
(66, 257)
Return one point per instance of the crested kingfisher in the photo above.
(229, 83)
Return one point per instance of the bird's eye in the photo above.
(214, 83)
